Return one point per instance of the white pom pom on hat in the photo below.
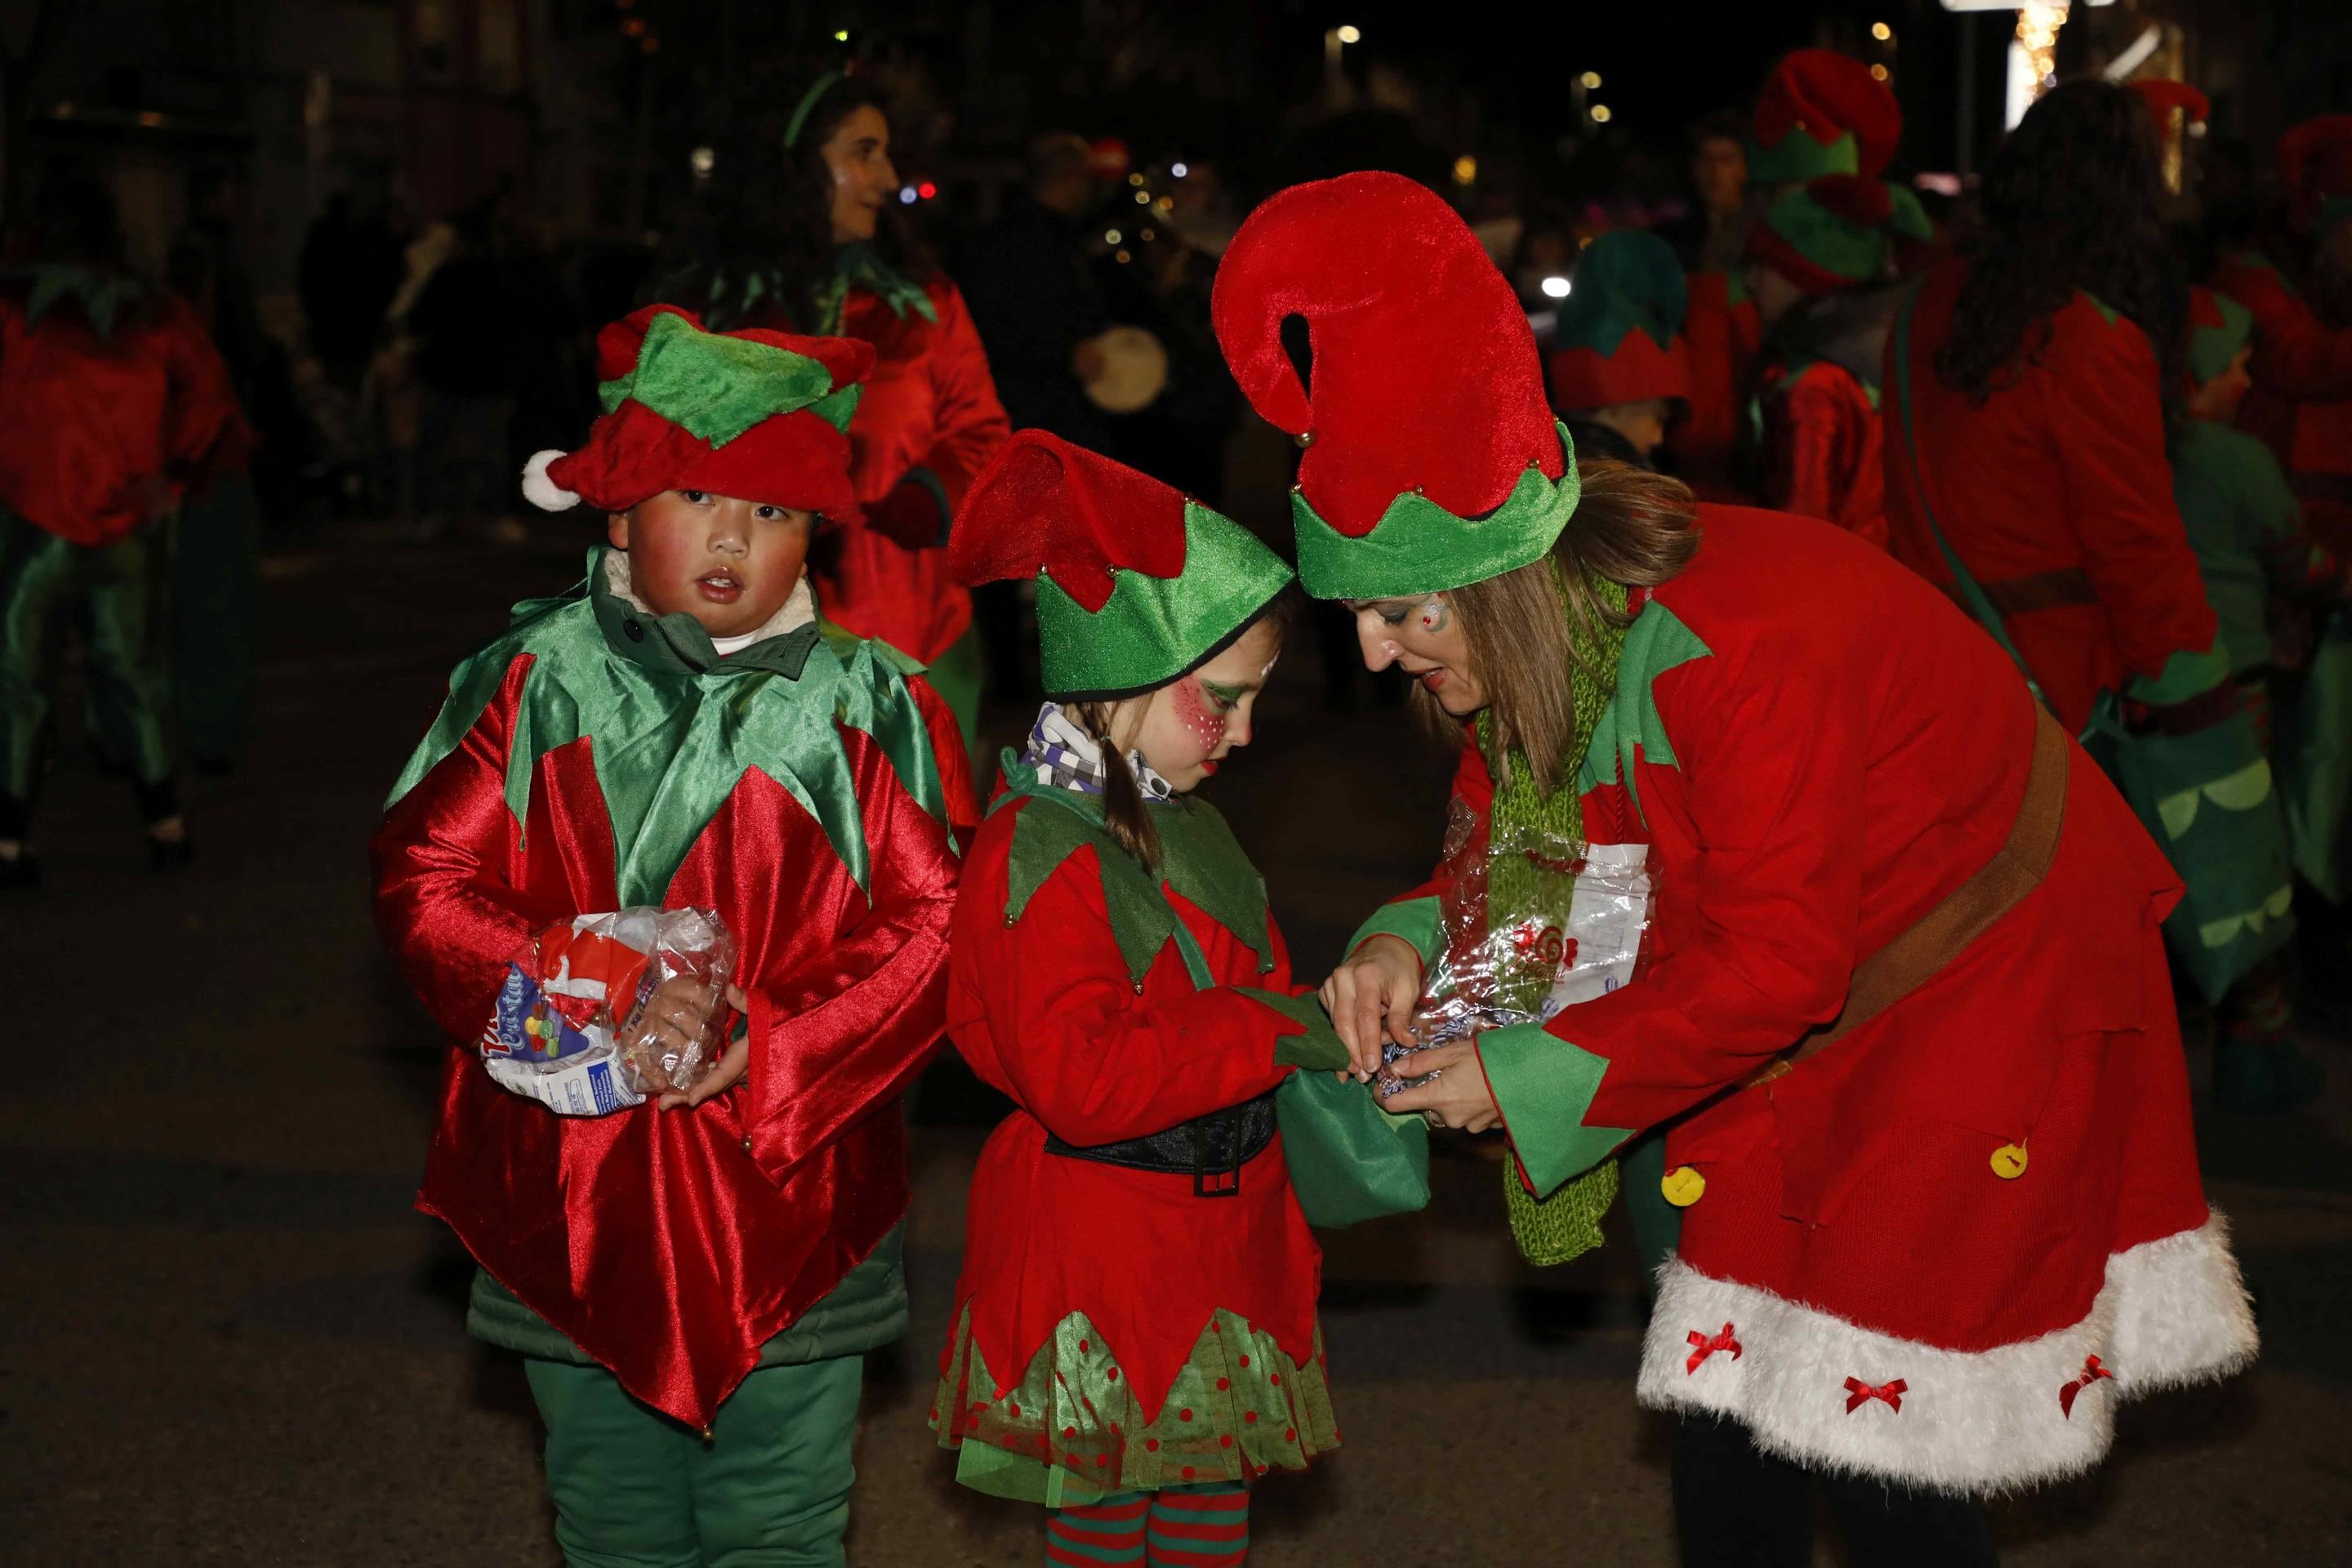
(542, 490)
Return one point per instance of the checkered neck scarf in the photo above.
(1066, 757)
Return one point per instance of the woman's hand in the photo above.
(1458, 1097)
(726, 1072)
(1371, 998)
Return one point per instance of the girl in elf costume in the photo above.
(1902, 1007)
(822, 252)
(1818, 264)
(691, 1285)
(1134, 1338)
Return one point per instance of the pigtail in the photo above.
(1123, 809)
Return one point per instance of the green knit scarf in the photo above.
(1520, 886)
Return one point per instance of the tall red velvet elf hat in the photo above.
(1619, 335)
(1838, 230)
(756, 415)
(1823, 112)
(1135, 582)
(1432, 459)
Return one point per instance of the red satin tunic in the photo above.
(930, 404)
(98, 436)
(671, 1245)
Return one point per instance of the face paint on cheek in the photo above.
(1435, 616)
(1199, 715)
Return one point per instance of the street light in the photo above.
(1591, 79)
(1465, 170)
(1555, 287)
(1881, 31)
(1600, 114)
(1351, 36)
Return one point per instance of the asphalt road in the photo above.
(225, 1336)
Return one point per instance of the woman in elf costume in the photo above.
(1134, 1338)
(1819, 262)
(1902, 1008)
(823, 253)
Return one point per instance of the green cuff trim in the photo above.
(1416, 921)
(1320, 1049)
(1543, 1085)
(2185, 675)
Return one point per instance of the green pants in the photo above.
(634, 1488)
(117, 593)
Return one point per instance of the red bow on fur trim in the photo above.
(2092, 1373)
(1859, 1393)
(1707, 1347)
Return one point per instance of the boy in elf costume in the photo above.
(1134, 1338)
(1902, 1010)
(691, 1283)
(1618, 368)
(1818, 264)
(113, 406)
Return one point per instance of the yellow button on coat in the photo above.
(2009, 1161)
(1683, 1186)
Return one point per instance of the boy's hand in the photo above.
(726, 1072)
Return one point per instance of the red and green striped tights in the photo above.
(1204, 1525)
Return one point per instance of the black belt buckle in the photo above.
(1221, 1181)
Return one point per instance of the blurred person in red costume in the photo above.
(691, 1283)
(114, 407)
(2301, 401)
(808, 240)
(1819, 262)
(1901, 1004)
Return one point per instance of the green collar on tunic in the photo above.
(1199, 858)
(103, 295)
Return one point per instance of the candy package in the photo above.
(1533, 921)
(586, 1020)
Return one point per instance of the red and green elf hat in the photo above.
(1837, 230)
(1432, 459)
(2218, 328)
(1617, 338)
(1135, 582)
(1823, 112)
(2315, 158)
(756, 415)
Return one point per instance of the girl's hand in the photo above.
(728, 1071)
(1459, 1098)
(1370, 996)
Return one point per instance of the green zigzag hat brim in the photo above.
(716, 387)
(1152, 629)
(1419, 547)
(1797, 157)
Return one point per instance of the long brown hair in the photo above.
(1123, 811)
(1522, 627)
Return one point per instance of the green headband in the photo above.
(1152, 629)
(817, 89)
(1419, 547)
(716, 387)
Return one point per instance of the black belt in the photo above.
(1212, 1149)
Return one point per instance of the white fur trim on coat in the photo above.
(2170, 1312)
(540, 489)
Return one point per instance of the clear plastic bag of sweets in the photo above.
(1533, 922)
(585, 1019)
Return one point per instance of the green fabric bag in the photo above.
(1349, 1159)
